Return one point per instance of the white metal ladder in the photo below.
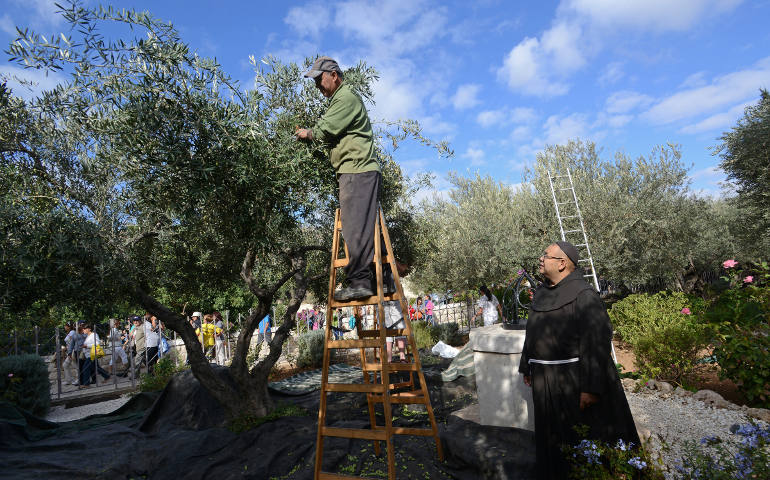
(572, 210)
(586, 260)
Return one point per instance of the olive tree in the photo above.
(745, 153)
(185, 181)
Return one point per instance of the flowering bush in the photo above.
(664, 330)
(712, 460)
(739, 318)
(596, 460)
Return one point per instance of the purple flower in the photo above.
(10, 375)
(637, 462)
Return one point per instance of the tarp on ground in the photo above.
(310, 381)
(462, 365)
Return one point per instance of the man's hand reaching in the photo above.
(303, 134)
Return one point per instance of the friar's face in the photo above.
(552, 262)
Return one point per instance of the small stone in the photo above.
(708, 397)
(759, 413)
(682, 392)
(664, 387)
(628, 383)
(650, 384)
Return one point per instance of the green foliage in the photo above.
(448, 333)
(24, 382)
(423, 335)
(665, 338)
(714, 459)
(644, 225)
(248, 422)
(310, 349)
(739, 316)
(164, 370)
(745, 153)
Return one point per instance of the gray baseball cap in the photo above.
(323, 64)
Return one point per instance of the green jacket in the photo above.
(346, 130)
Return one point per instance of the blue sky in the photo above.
(502, 79)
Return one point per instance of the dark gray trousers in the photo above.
(359, 195)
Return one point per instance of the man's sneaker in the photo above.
(352, 293)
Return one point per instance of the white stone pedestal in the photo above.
(504, 399)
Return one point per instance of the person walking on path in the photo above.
(566, 360)
(345, 129)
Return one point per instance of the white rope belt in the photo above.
(554, 362)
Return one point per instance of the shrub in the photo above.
(739, 317)
(448, 333)
(423, 337)
(24, 382)
(164, 370)
(664, 330)
(310, 349)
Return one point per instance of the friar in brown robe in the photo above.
(566, 360)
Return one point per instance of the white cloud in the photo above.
(395, 98)
(504, 116)
(655, 15)
(560, 42)
(41, 81)
(612, 73)
(523, 115)
(308, 20)
(475, 155)
(527, 68)
(724, 90)
(522, 132)
(624, 101)
(466, 96)
(719, 121)
(434, 125)
(559, 129)
(7, 25)
(697, 79)
(488, 118)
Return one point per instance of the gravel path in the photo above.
(61, 414)
(675, 420)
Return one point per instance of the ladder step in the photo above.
(374, 299)
(413, 396)
(584, 260)
(573, 231)
(420, 432)
(358, 343)
(361, 433)
(392, 367)
(341, 262)
(390, 332)
(581, 244)
(336, 476)
(355, 387)
(570, 216)
(568, 188)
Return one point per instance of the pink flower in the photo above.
(729, 263)
(686, 311)
(748, 279)
(10, 375)
(520, 272)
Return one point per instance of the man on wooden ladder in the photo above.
(345, 129)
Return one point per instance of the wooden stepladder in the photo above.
(374, 361)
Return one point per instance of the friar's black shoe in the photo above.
(352, 293)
